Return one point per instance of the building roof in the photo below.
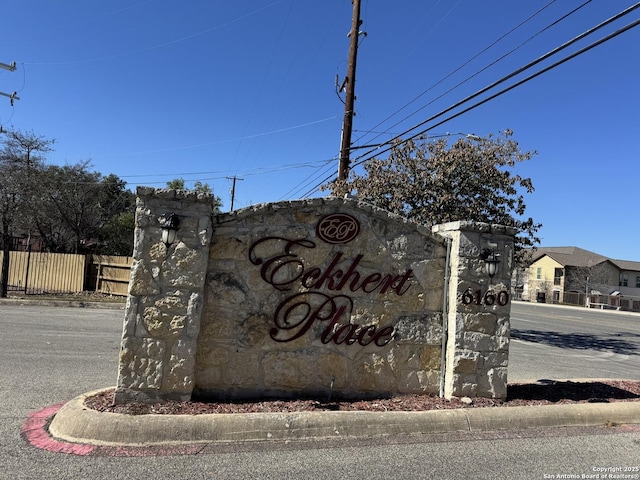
(627, 265)
(578, 257)
(569, 256)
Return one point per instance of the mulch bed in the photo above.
(542, 393)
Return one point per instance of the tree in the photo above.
(72, 195)
(198, 187)
(117, 207)
(21, 159)
(176, 184)
(432, 182)
(81, 211)
(116, 235)
(590, 278)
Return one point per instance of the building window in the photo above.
(637, 281)
(538, 273)
(557, 276)
(624, 280)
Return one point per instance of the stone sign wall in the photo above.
(324, 297)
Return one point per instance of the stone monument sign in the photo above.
(323, 298)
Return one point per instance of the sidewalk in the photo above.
(63, 302)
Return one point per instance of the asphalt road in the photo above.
(49, 355)
(549, 341)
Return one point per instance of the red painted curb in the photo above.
(35, 431)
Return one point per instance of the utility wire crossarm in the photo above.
(12, 68)
(8, 66)
(233, 189)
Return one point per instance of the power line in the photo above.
(482, 69)
(310, 179)
(246, 173)
(505, 90)
(340, 88)
(165, 44)
(518, 71)
(389, 144)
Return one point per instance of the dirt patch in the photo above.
(543, 393)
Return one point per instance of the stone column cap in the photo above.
(477, 227)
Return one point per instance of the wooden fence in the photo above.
(109, 274)
(38, 273)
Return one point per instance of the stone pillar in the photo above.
(164, 305)
(477, 340)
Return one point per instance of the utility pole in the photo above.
(349, 84)
(12, 68)
(233, 189)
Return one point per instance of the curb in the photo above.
(78, 424)
(63, 303)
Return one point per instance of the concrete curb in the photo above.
(78, 424)
(63, 303)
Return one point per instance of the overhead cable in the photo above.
(390, 143)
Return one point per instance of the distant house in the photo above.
(576, 276)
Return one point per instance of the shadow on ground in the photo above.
(578, 341)
(554, 391)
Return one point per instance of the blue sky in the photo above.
(204, 90)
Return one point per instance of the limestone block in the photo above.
(496, 359)
(253, 331)
(409, 356)
(467, 362)
(142, 281)
(218, 325)
(130, 316)
(373, 375)
(161, 324)
(419, 382)
(227, 248)
(493, 383)
(194, 310)
(206, 377)
(430, 357)
(141, 363)
(432, 299)
(414, 301)
(502, 344)
(483, 322)
(242, 369)
(185, 267)
(305, 216)
(204, 230)
(503, 326)
(464, 385)
(429, 273)
(289, 370)
(213, 355)
(419, 328)
(158, 251)
(181, 367)
(224, 288)
(336, 366)
(480, 342)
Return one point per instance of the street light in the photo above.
(170, 225)
(491, 262)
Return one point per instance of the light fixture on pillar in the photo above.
(170, 224)
(491, 261)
